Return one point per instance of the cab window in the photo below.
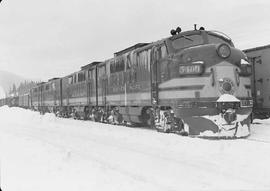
(53, 86)
(101, 71)
(185, 41)
(70, 79)
(81, 77)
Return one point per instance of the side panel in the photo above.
(65, 91)
(138, 84)
(91, 87)
(155, 72)
(260, 60)
(101, 85)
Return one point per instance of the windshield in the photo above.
(187, 41)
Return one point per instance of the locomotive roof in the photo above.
(53, 79)
(90, 65)
(185, 33)
(141, 46)
(138, 45)
(40, 83)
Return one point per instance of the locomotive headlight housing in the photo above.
(224, 51)
(226, 86)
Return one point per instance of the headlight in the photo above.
(224, 51)
(227, 86)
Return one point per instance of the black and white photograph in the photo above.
(134, 95)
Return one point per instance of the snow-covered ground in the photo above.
(42, 152)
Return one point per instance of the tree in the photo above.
(14, 89)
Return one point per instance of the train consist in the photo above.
(194, 82)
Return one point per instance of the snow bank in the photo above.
(42, 152)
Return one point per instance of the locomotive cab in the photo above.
(203, 68)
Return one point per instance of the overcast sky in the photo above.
(42, 39)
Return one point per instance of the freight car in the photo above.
(194, 80)
(259, 58)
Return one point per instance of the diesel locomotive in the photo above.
(194, 82)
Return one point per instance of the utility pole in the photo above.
(0, 164)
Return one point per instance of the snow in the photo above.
(227, 98)
(226, 130)
(244, 62)
(42, 152)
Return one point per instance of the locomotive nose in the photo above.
(226, 77)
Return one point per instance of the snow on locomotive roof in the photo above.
(138, 45)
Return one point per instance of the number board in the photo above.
(190, 69)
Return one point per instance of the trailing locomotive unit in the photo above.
(198, 77)
(46, 96)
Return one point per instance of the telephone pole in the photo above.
(0, 166)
